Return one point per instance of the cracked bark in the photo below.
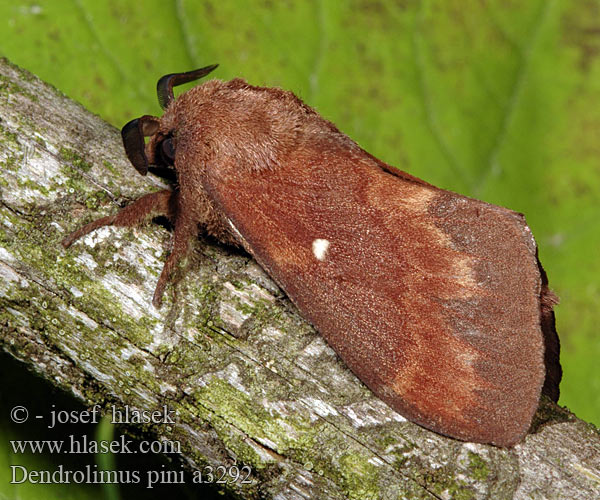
(250, 381)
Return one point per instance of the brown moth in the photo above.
(436, 301)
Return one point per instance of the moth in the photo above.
(436, 301)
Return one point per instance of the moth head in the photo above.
(160, 150)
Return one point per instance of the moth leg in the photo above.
(186, 229)
(132, 215)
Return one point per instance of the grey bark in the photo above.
(251, 382)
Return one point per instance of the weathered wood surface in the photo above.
(250, 381)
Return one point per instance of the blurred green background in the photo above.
(495, 99)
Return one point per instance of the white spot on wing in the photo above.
(319, 248)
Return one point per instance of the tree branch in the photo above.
(251, 382)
